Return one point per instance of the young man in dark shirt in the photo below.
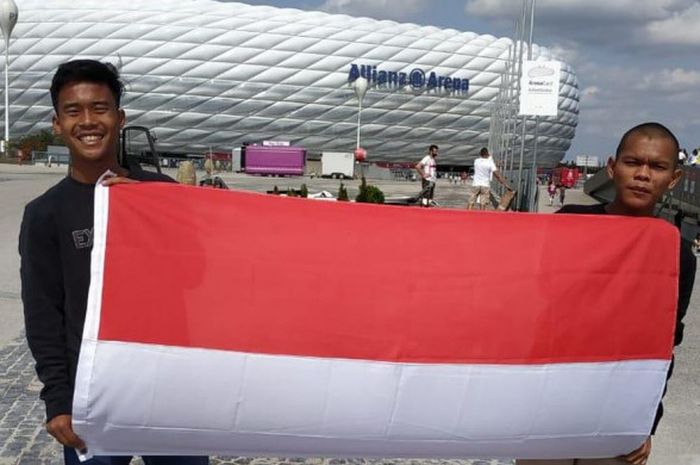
(56, 240)
(644, 168)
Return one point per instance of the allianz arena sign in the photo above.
(417, 79)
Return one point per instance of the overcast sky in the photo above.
(636, 60)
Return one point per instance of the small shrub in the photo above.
(369, 193)
(304, 191)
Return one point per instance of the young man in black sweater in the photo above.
(644, 168)
(56, 241)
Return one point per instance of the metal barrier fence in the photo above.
(526, 193)
(50, 158)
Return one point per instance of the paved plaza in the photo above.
(22, 436)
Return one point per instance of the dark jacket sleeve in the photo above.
(43, 297)
(686, 280)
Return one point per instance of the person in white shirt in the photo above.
(427, 169)
(484, 168)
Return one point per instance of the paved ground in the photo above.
(23, 440)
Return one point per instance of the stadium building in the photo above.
(205, 74)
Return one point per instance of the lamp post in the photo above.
(531, 5)
(8, 19)
(360, 87)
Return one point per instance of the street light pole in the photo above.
(531, 5)
(8, 19)
(521, 39)
(533, 177)
(360, 87)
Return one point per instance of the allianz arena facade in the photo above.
(205, 74)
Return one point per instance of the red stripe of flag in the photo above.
(246, 272)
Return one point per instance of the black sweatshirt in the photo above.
(686, 279)
(55, 243)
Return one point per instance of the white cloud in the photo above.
(590, 91)
(590, 98)
(682, 28)
(492, 8)
(400, 10)
(568, 52)
(617, 97)
(613, 23)
(603, 9)
(672, 81)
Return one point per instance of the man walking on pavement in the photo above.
(484, 168)
(427, 169)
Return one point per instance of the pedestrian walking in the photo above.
(427, 169)
(484, 170)
(552, 191)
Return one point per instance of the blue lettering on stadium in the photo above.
(416, 79)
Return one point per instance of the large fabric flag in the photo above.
(224, 322)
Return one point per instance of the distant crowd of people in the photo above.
(692, 160)
(552, 190)
(485, 170)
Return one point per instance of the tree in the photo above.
(35, 142)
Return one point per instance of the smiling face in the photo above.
(88, 119)
(645, 168)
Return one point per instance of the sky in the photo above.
(636, 60)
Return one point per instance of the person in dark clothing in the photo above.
(562, 194)
(56, 240)
(644, 168)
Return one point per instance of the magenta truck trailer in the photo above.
(280, 161)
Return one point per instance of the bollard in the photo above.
(186, 173)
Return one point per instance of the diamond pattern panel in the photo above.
(205, 73)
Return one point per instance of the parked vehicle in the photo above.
(236, 160)
(138, 148)
(279, 161)
(339, 165)
(566, 177)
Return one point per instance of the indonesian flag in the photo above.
(234, 323)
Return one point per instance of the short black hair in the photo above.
(650, 130)
(433, 146)
(86, 71)
(483, 151)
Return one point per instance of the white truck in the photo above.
(338, 165)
